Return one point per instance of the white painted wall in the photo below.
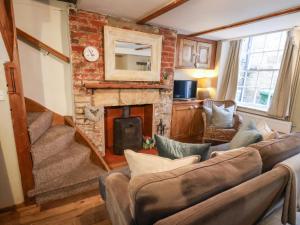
(46, 79)
(10, 179)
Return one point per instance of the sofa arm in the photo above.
(117, 199)
(237, 121)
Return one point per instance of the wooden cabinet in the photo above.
(193, 52)
(187, 122)
(187, 53)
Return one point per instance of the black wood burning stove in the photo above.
(127, 133)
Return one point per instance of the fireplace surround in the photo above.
(86, 29)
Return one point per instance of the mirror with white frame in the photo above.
(131, 55)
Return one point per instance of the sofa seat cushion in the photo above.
(175, 150)
(156, 196)
(277, 150)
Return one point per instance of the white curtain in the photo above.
(280, 104)
(295, 83)
(228, 86)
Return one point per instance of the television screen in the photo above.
(185, 89)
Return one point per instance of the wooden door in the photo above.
(181, 121)
(186, 53)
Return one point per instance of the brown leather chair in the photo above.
(212, 133)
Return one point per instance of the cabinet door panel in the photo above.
(203, 55)
(181, 122)
(197, 122)
(186, 53)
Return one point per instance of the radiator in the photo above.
(274, 124)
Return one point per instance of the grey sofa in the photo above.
(236, 188)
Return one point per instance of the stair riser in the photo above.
(67, 192)
(59, 144)
(40, 126)
(60, 168)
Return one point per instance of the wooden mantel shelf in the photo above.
(109, 85)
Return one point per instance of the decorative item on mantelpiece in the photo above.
(148, 142)
(93, 113)
(161, 128)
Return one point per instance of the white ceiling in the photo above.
(198, 15)
(130, 9)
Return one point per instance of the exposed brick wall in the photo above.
(86, 28)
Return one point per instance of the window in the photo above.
(260, 62)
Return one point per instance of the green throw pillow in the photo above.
(247, 135)
(174, 150)
(222, 118)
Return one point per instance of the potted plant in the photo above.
(148, 142)
(165, 76)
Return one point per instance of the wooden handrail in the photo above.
(22, 35)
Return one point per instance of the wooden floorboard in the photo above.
(83, 210)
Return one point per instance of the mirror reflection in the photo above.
(132, 56)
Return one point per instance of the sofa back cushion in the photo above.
(156, 196)
(276, 150)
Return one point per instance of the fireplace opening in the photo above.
(128, 132)
(114, 113)
(143, 112)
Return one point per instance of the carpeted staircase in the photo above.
(61, 166)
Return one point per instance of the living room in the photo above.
(199, 97)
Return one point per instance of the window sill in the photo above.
(252, 111)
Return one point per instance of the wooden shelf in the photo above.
(110, 85)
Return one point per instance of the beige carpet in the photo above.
(61, 166)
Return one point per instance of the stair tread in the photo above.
(74, 150)
(86, 172)
(32, 116)
(51, 135)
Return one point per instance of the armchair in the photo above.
(212, 133)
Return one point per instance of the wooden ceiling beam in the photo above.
(248, 21)
(157, 13)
